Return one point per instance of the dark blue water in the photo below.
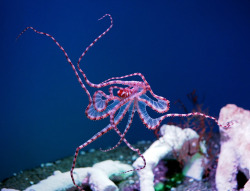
(179, 46)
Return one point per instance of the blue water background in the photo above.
(178, 45)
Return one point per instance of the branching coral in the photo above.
(174, 141)
(98, 178)
(235, 148)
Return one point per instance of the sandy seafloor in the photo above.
(24, 179)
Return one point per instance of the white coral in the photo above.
(174, 141)
(235, 148)
(98, 177)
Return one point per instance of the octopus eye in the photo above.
(120, 93)
(123, 93)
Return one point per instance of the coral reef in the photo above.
(174, 143)
(180, 144)
(97, 178)
(235, 148)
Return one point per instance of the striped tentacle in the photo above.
(66, 55)
(120, 82)
(113, 124)
(130, 119)
(126, 76)
(133, 149)
(122, 112)
(93, 114)
(161, 105)
(138, 152)
(111, 89)
(106, 83)
(121, 103)
(123, 108)
(117, 120)
(101, 104)
(96, 136)
(86, 50)
(149, 122)
(158, 97)
(229, 124)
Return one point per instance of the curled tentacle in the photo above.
(162, 105)
(93, 114)
(101, 104)
(148, 121)
(86, 50)
(66, 55)
(106, 82)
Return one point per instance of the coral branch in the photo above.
(235, 148)
(97, 177)
(174, 140)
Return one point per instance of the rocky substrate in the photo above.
(164, 172)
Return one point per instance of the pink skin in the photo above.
(131, 97)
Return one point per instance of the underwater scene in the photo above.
(125, 95)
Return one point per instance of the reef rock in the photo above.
(235, 148)
(99, 177)
(174, 141)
